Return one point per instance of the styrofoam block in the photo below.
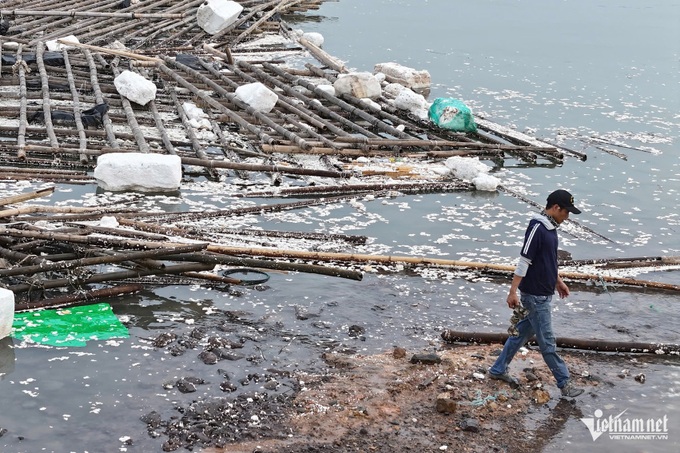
(214, 16)
(142, 172)
(258, 96)
(409, 77)
(135, 87)
(358, 84)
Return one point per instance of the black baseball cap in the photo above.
(564, 200)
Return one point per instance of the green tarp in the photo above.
(72, 326)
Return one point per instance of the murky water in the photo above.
(594, 78)
(569, 72)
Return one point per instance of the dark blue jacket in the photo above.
(540, 249)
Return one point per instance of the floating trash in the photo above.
(73, 326)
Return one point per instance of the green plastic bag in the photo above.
(452, 114)
(72, 326)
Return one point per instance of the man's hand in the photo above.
(513, 300)
(562, 288)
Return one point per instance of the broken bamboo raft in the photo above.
(452, 336)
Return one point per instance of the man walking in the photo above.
(537, 278)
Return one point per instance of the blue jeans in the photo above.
(538, 322)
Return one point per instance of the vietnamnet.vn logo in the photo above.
(620, 428)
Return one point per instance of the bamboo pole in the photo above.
(393, 259)
(193, 138)
(227, 149)
(99, 98)
(116, 257)
(82, 138)
(79, 298)
(217, 258)
(106, 50)
(22, 67)
(167, 230)
(110, 276)
(27, 196)
(359, 189)
(44, 80)
(213, 163)
(57, 209)
(34, 13)
(92, 240)
(354, 152)
(452, 336)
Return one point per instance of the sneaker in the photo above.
(569, 391)
(513, 381)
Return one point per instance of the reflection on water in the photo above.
(7, 357)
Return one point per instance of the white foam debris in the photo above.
(393, 89)
(54, 45)
(371, 102)
(214, 16)
(10, 45)
(358, 84)
(327, 88)
(486, 182)
(466, 168)
(258, 96)
(315, 38)
(408, 77)
(197, 117)
(135, 87)
(413, 102)
(109, 221)
(138, 171)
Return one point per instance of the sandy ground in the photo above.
(386, 403)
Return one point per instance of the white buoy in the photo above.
(6, 312)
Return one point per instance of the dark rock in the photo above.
(399, 353)
(470, 425)
(152, 419)
(426, 359)
(176, 350)
(188, 342)
(209, 358)
(164, 339)
(355, 331)
(271, 385)
(195, 380)
(3, 431)
(171, 445)
(445, 404)
(198, 333)
(228, 355)
(227, 386)
(185, 386)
